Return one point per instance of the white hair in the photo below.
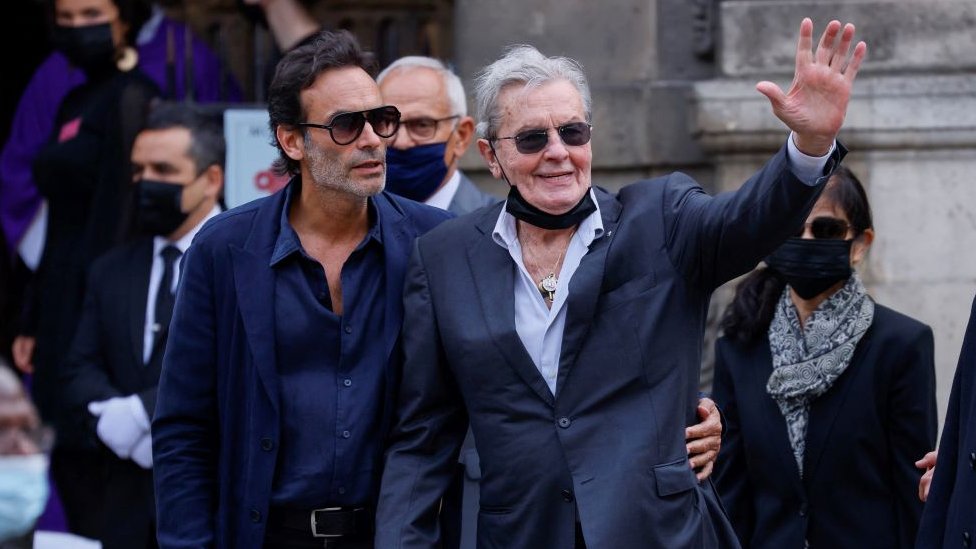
(523, 64)
(452, 84)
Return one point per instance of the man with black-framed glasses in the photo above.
(283, 354)
(435, 131)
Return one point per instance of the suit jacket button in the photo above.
(972, 460)
(564, 422)
(567, 495)
(965, 539)
(255, 515)
(267, 444)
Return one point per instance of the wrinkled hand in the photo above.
(23, 353)
(927, 463)
(816, 103)
(142, 452)
(122, 422)
(704, 439)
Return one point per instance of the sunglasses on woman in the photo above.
(825, 228)
(346, 127)
(532, 141)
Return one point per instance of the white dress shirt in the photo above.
(444, 195)
(156, 276)
(541, 328)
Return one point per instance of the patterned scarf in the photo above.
(808, 360)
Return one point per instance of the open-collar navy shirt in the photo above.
(331, 371)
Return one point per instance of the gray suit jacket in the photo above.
(609, 448)
(469, 198)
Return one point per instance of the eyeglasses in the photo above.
(421, 129)
(574, 134)
(825, 228)
(344, 128)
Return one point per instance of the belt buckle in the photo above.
(315, 531)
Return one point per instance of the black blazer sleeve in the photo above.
(429, 428)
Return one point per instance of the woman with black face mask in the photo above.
(827, 397)
(85, 177)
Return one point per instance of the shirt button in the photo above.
(567, 495)
(267, 444)
(564, 422)
(348, 329)
(347, 382)
(255, 515)
(346, 434)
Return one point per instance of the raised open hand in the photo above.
(816, 103)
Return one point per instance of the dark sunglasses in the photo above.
(826, 228)
(344, 128)
(533, 141)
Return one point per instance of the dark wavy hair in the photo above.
(297, 71)
(748, 316)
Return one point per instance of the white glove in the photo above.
(142, 452)
(122, 421)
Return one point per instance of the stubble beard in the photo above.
(330, 172)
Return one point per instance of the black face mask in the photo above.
(90, 48)
(158, 207)
(523, 211)
(810, 265)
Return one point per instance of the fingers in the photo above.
(772, 92)
(825, 48)
(805, 43)
(924, 484)
(860, 51)
(839, 56)
(705, 471)
(928, 461)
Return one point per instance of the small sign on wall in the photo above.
(249, 157)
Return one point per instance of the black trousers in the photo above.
(580, 542)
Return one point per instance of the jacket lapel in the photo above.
(397, 242)
(825, 410)
(584, 288)
(138, 295)
(254, 282)
(493, 272)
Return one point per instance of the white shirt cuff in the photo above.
(807, 169)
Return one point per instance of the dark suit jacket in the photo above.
(609, 448)
(949, 517)
(216, 428)
(860, 485)
(469, 198)
(105, 361)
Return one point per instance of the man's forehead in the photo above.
(416, 91)
(346, 89)
(163, 143)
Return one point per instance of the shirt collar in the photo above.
(288, 242)
(590, 229)
(443, 196)
(160, 242)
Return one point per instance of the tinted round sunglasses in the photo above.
(826, 228)
(532, 141)
(346, 127)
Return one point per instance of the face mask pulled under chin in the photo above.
(416, 173)
(23, 493)
(158, 207)
(90, 48)
(810, 265)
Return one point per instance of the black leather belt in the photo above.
(328, 522)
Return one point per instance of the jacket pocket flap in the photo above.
(674, 477)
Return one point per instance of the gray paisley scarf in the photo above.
(807, 361)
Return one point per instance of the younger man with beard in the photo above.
(278, 379)
(112, 371)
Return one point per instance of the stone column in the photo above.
(911, 129)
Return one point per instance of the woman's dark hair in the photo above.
(133, 12)
(748, 316)
(297, 71)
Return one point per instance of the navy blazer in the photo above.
(860, 486)
(609, 448)
(949, 517)
(216, 428)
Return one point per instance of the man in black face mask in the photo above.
(113, 368)
(435, 131)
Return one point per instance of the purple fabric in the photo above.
(54, 78)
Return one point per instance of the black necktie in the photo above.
(164, 297)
